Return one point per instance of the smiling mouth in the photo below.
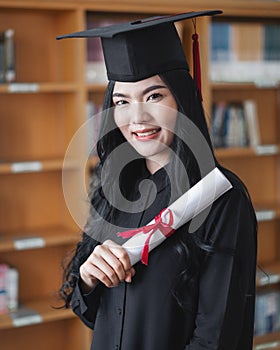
(146, 133)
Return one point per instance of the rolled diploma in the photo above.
(186, 207)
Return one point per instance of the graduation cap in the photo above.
(137, 50)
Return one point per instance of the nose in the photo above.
(139, 113)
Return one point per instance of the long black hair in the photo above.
(185, 92)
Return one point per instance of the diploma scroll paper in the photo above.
(186, 207)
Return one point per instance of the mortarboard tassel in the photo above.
(196, 61)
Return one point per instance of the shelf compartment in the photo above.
(40, 270)
(260, 176)
(34, 132)
(268, 243)
(53, 61)
(266, 107)
(37, 201)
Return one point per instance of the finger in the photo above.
(129, 274)
(90, 274)
(120, 253)
(106, 268)
(104, 252)
(115, 264)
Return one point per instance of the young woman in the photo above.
(198, 290)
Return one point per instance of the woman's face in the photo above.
(146, 114)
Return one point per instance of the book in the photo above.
(271, 42)
(25, 316)
(8, 288)
(265, 214)
(220, 41)
(236, 131)
(7, 56)
(3, 289)
(93, 126)
(251, 116)
(12, 288)
(217, 124)
(2, 58)
(235, 124)
(10, 68)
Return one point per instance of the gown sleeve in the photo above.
(81, 302)
(225, 315)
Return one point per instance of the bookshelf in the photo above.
(257, 166)
(40, 113)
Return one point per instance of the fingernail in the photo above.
(128, 279)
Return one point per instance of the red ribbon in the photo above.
(165, 228)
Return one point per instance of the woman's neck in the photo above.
(153, 164)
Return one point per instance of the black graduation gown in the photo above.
(219, 309)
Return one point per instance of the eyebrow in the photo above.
(147, 90)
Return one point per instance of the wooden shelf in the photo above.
(245, 152)
(37, 239)
(40, 114)
(269, 338)
(269, 276)
(24, 166)
(40, 5)
(45, 308)
(257, 167)
(234, 152)
(267, 210)
(96, 88)
(30, 166)
(241, 86)
(37, 87)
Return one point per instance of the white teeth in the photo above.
(148, 133)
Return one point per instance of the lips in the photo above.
(146, 133)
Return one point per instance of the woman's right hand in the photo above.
(108, 263)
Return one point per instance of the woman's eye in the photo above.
(155, 96)
(120, 102)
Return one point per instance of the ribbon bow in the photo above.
(165, 228)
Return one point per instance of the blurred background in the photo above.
(49, 88)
